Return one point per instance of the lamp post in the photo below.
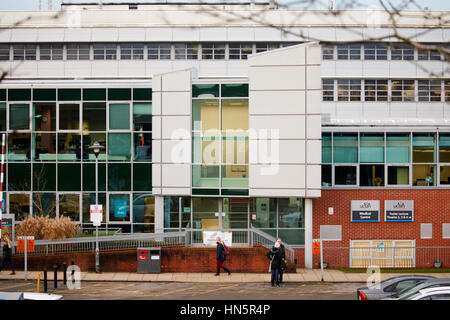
(96, 148)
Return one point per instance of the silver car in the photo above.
(439, 293)
(29, 296)
(389, 287)
(432, 283)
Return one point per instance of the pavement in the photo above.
(302, 275)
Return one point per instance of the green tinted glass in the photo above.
(69, 94)
(119, 94)
(142, 94)
(94, 94)
(142, 177)
(44, 94)
(235, 90)
(119, 116)
(69, 177)
(205, 90)
(19, 94)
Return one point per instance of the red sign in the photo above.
(142, 257)
(316, 247)
(21, 245)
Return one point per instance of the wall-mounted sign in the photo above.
(399, 210)
(365, 210)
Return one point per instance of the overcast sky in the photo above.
(32, 5)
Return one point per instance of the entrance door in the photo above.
(206, 214)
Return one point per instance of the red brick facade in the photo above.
(430, 206)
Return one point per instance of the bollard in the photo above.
(45, 280)
(55, 271)
(65, 273)
(38, 282)
(73, 272)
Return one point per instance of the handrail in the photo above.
(290, 253)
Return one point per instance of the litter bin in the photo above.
(149, 260)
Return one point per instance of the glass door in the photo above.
(206, 214)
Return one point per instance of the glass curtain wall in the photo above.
(379, 159)
(51, 171)
(220, 139)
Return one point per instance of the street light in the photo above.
(96, 148)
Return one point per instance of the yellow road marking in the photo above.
(176, 291)
(216, 289)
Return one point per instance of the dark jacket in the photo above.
(275, 256)
(220, 252)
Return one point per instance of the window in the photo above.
(345, 175)
(261, 47)
(424, 145)
(142, 116)
(402, 52)
(398, 175)
(240, 51)
(119, 207)
(447, 90)
(24, 52)
(119, 116)
(345, 147)
(78, 51)
(376, 90)
(327, 89)
(429, 90)
(105, 51)
(186, 51)
(397, 147)
(444, 147)
(213, 51)
(424, 175)
(119, 146)
(349, 51)
(328, 52)
(375, 51)
(94, 117)
(371, 175)
(19, 116)
(371, 147)
(429, 54)
(69, 117)
(130, 51)
(349, 90)
(51, 51)
(290, 213)
(326, 147)
(159, 51)
(4, 52)
(402, 90)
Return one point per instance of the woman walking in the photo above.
(221, 255)
(275, 264)
(7, 254)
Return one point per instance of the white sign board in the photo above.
(96, 214)
(209, 237)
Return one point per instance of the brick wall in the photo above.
(176, 259)
(430, 206)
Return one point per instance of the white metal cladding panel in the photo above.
(156, 151)
(313, 177)
(277, 176)
(284, 151)
(5, 35)
(79, 69)
(131, 34)
(174, 103)
(51, 68)
(24, 68)
(50, 35)
(109, 68)
(186, 34)
(349, 68)
(176, 81)
(176, 175)
(279, 58)
(77, 35)
(176, 151)
(240, 34)
(402, 69)
(237, 68)
(159, 34)
(371, 34)
(313, 55)
(434, 110)
(375, 68)
(398, 110)
(279, 193)
(105, 34)
(426, 69)
(24, 35)
(314, 151)
(131, 68)
(321, 34)
(349, 34)
(277, 78)
(154, 67)
(213, 34)
(267, 34)
(373, 110)
(175, 126)
(352, 110)
(213, 68)
(277, 102)
(287, 126)
(314, 126)
(328, 69)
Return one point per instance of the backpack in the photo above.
(227, 250)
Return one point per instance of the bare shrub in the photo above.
(44, 228)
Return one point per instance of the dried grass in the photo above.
(44, 228)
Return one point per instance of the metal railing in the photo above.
(385, 257)
(267, 241)
(107, 243)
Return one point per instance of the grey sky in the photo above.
(32, 5)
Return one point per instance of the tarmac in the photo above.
(302, 275)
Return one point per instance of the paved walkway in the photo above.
(302, 275)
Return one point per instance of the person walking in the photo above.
(283, 259)
(221, 255)
(274, 256)
(7, 254)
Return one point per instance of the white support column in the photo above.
(159, 214)
(308, 233)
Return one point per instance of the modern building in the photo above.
(303, 124)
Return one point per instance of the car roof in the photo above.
(438, 280)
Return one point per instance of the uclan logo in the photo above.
(400, 205)
(365, 205)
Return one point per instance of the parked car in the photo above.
(389, 287)
(432, 283)
(28, 296)
(439, 293)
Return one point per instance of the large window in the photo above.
(52, 51)
(220, 136)
(349, 90)
(186, 51)
(78, 51)
(131, 51)
(24, 51)
(429, 90)
(105, 51)
(402, 51)
(349, 51)
(375, 51)
(159, 51)
(213, 51)
(402, 90)
(376, 90)
(240, 51)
